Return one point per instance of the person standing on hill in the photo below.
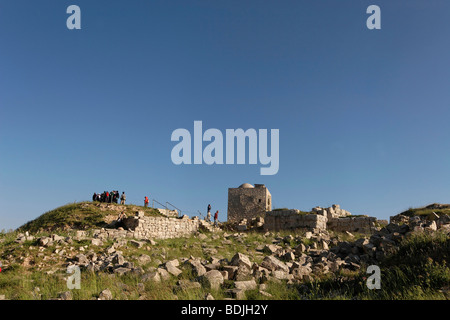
(208, 215)
(146, 202)
(123, 198)
(216, 218)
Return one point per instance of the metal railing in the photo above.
(153, 204)
(179, 210)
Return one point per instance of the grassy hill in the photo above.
(82, 216)
(439, 209)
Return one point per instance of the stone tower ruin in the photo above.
(247, 202)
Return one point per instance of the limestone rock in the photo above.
(240, 259)
(209, 296)
(105, 295)
(197, 268)
(152, 276)
(271, 263)
(67, 295)
(246, 285)
(96, 242)
(212, 279)
(187, 285)
(143, 259)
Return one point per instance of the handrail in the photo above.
(179, 211)
(159, 203)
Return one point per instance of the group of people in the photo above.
(113, 197)
(109, 197)
(216, 216)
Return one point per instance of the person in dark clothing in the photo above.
(94, 197)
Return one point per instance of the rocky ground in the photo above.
(218, 265)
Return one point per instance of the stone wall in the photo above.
(168, 212)
(293, 219)
(334, 211)
(142, 227)
(352, 224)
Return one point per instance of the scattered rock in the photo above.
(212, 279)
(96, 242)
(67, 295)
(197, 268)
(246, 285)
(152, 276)
(105, 295)
(273, 264)
(209, 296)
(240, 259)
(187, 285)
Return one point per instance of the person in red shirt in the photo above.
(146, 202)
(216, 217)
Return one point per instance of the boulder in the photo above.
(118, 259)
(300, 248)
(271, 248)
(96, 242)
(209, 296)
(273, 264)
(137, 244)
(246, 285)
(67, 295)
(240, 259)
(151, 276)
(105, 295)
(81, 259)
(231, 270)
(242, 273)
(197, 268)
(122, 270)
(143, 259)
(289, 256)
(212, 279)
(173, 270)
(187, 285)
(236, 293)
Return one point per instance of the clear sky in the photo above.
(363, 114)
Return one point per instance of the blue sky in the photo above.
(363, 114)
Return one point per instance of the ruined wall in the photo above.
(334, 211)
(248, 203)
(292, 219)
(141, 227)
(352, 224)
(168, 212)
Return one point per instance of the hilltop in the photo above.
(213, 263)
(83, 216)
(437, 208)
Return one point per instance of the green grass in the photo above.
(425, 212)
(81, 216)
(418, 270)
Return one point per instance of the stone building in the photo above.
(247, 202)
